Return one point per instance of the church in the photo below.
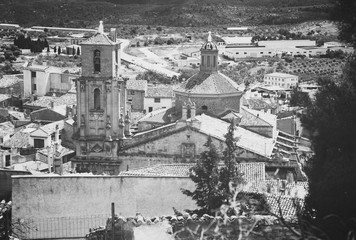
(205, 105)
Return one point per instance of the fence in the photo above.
(58, 228)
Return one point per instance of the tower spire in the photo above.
(101, 28)
(209, 37)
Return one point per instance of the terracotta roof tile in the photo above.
(139, 85)
(98, 39)
(209, 83)
(160, 91)
(4, 97)
(163, 170)
(45, 101)
(8, 80)
(6, 128)
(18, 140)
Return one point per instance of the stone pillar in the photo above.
(184, 111)
(121, 127)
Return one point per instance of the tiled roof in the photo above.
(18, 140)
(51, 127)
(287, 205)
(17, 115)
(160, 91)
(8, 80)
(98, 39)
(252, 171)
(61, 151)
(6, 128)
(259, 104)
(4, 97)
(248, 140)
(209, 83)
(163, 170)
(156, 116)
(46, 114)
(30, 166)
(139, 85)
(45, 101)
(252, 117)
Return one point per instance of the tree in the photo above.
(343, 13)
(299, 98)
(205, 176)
(331, 171)
(229, 174)
(55, 49)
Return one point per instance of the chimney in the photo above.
(101, 28)
(113, 34)
(184, 112)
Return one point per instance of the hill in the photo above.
(83, 13)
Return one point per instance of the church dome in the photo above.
(209, 45)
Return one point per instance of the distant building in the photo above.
(160, 96)
(283, 80)
(136, 91)
(7, 26)
(40, 80)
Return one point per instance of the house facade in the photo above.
(283, 80)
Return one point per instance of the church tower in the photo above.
(102, 120)
(209, 56)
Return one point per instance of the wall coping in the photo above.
(90, 176)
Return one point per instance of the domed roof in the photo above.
(209, 45)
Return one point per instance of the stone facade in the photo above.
(102, 120)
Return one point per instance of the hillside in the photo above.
(81, 13)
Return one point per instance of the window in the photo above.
(96, 61)
(204, 108)
(208, 61)
(245, 52)
(34, 87)
(132, 92)
(214, 61)
(157, 100)
(96, 99)
(261, 52)
(150, 109)
(202, 60)
(7, 161)
(33, 74)
(39, 143)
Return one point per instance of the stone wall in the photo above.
(6, 182)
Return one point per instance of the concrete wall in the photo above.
(41, 81)
(60, 82)
(36, 198)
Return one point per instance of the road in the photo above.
(158, 68)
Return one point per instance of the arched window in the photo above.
(204, 108)
(214, 61)
(202, 60)
(96, 99)
(208, 61)
(96, 61)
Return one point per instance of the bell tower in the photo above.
(209, 56)
(102, 120)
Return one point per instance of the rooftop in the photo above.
(98, 39)
(8, 81)
(6, 128)
(45, 101)
(139, 85)
(19, 139)
(279, 74)
(160, 92)
(4, 97)
(247, 140)
(253, 117)
(209, 83)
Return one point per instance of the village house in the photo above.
(283, 80)
(159, 96)
(40, 80)
(11, 84)
(136, 91)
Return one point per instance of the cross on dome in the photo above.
(101, 28)
(209, 37)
